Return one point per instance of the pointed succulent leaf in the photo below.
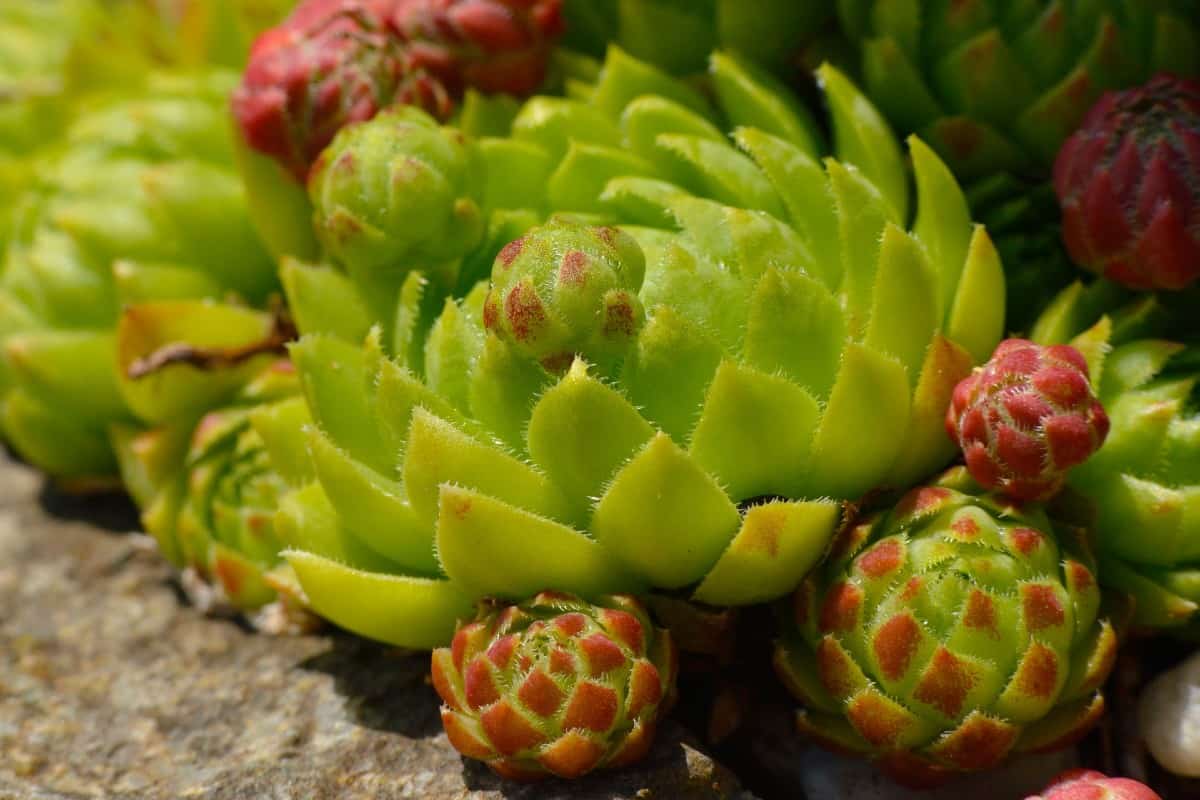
(862, 138)
(373, 508)
(419, 613)
(665, 517)
(855, 442)
(492, 548)
(750, 97)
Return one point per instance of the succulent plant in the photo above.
(449, 455)
(1026, 417)
(995, 85)
(139, 202)
(208, 491)
(1140, 491)
(947, 632)
(1087, 784)
(1127, 182)
(496, 46)
(556, 685)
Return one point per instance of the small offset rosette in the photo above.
(555, 685)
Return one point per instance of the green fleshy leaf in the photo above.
(487, 114)
(581, 431)
(1155, 606)
(624, 78)
(439, 453)
(56, 445)
(863, 426)
(804, 189)
(495, 549)
(753, 98)
(972, 148)
(755, 432)
(149, 460)
(306, 520)
(281, 427)
(725, 174)
(904, 313)
(323, 300)
(552, 124)
(641, 201)
(407, 612)
(983, 78)
(641, 25)
(69, 371)
(898, 85)
(517, 172)
(790, 307)
(665, 517)
(398, 393)
(373, 508)
(333, 374)
(454, 344)
(862, 216)
(579, 180)
(647, 117)
(503, 389)
(863, 138)
(779, 543)
(139, 282)
(926, 446)
(976, 318)
(943, 222)
(671, 365)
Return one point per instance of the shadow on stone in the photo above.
(112, 511)
(386, 689)
(667, 765)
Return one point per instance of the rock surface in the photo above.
(111, 687)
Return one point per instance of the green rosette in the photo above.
(948, 632)
(139, 201)
(997, 85)
(624, 407)
(1141, 491)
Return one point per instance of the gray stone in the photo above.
(111, 687)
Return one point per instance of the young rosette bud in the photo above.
(396, 193)
(1087, 784)
(564, 290)
(997, 86)
(948, 632)
(1140, 493)
(496, 46)
(556, 685)
(1129, 185)
(1026, 417)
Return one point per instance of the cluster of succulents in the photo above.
(481, 327)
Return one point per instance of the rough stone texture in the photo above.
(111, 687)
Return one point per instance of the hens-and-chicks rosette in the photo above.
(949, 632)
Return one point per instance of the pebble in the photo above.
(1169, 718)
